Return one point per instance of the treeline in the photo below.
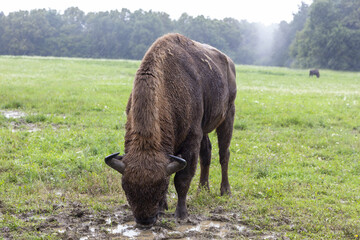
(325, 35)
(119, 34)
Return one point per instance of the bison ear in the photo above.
(114, 161)
(176, 164)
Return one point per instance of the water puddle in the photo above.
(60, 230)
(127, 230)
(207, 229)
(13, 114)
(219, 228)
(19, 126)
(35, 217)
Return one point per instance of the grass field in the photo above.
(295, 152)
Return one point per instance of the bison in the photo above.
(182, 91)
(314, 72)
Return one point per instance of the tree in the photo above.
(125, 34)
(285, 34)
(331, 36)
(225, 35)
(106, 34)
(145, 29)
(15, 34)
(72, 33)
(2, 24)
(42, 30)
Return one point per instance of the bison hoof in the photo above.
(204, 186)
(225, 191)
(182, 215)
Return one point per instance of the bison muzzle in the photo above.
(183, 90)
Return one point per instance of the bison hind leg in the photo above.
(205, 160)
(224, 133)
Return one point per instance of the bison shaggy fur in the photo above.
(183, 90)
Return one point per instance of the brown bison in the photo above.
(182, 91)
(314, 72)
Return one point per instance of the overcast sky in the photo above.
(265, 11)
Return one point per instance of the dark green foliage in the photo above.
(331, 36)
(111, 34)
(325, 34)
(125, 34)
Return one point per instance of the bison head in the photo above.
(145, 181)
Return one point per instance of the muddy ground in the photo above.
(76, 221)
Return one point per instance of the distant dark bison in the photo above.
(182, 91)
(314, 72)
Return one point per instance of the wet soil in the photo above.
(76, 221)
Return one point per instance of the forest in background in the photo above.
(325, 34)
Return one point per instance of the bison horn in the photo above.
(114, 161)
(176, 164)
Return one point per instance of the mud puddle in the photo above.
(18, 122)
(212, 229)
(76, 221)
(12, 114)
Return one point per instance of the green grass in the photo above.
(295, 153)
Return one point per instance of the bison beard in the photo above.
(182, 91)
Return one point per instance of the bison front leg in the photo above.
(182, 187)
(224, 132)
(190, 152)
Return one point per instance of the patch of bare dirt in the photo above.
(76, 221)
